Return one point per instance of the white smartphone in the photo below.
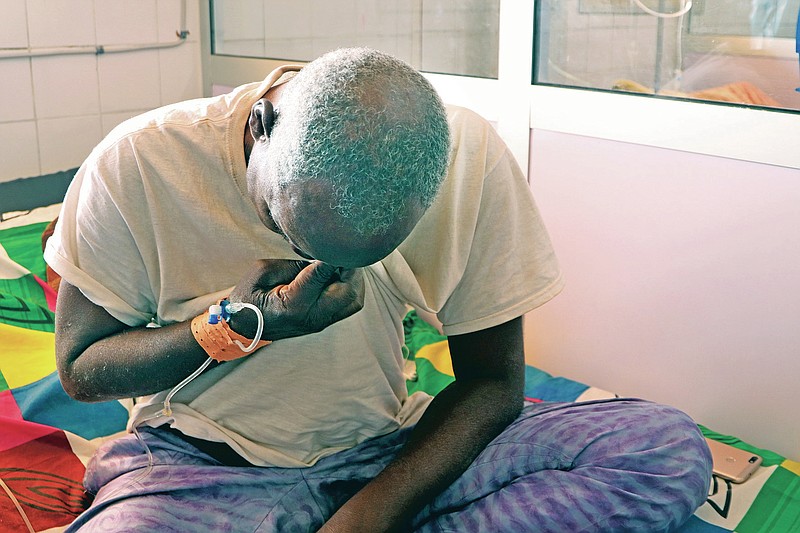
(732, 463)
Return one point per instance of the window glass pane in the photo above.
(444, 36)
(732, 51)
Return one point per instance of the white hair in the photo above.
(368, 124)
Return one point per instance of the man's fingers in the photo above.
(341, 299)
(314, 278)
(270, 272)
(316, 299)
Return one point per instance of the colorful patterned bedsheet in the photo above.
(46, 437)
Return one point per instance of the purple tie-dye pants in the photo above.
(610, 465)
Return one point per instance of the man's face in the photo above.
(303, 215)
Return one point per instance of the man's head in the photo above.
(357, 152)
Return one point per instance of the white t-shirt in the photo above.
(157, 225)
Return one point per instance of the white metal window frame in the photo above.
(516, 106)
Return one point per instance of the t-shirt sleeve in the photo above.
(93, 247)
(511, 267)
(481, 254)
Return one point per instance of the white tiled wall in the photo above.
(55, 109)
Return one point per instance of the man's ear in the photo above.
(262, 118)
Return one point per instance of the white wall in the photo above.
(683, 281)
(54, 110)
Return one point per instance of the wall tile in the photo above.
(241, 47)
(79, 99)
(126, 22)
(243, 20)
(575, 19)
(129, 81)
(65, 142)
(440, 52)
(439, 16)
(65, 86)
(334, 19)
(13, 24)
(181, 76)
(323, 45)
(17, 92)
(288, 20)
(287, 27)
(598, 57)
(19, 150)
(61, 23)
(169, 20)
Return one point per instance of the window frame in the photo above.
(516, 106)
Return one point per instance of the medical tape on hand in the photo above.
(218, 340)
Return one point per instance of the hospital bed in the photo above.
(46, 437)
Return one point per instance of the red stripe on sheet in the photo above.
(15, 432)
(49, 293)
(9, 407)
(45, 477)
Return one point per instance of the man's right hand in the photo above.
(296, 297)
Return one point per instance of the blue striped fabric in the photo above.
(610, 465)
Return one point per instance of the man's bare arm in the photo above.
(100, 358)
(460, 422)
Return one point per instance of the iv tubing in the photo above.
(231, 308)
(687, 6)
(16, 503)
(167, 406)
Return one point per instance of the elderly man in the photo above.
(321, 205)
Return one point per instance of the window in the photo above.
(731, 51)
(443, 36)
(530, 40)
